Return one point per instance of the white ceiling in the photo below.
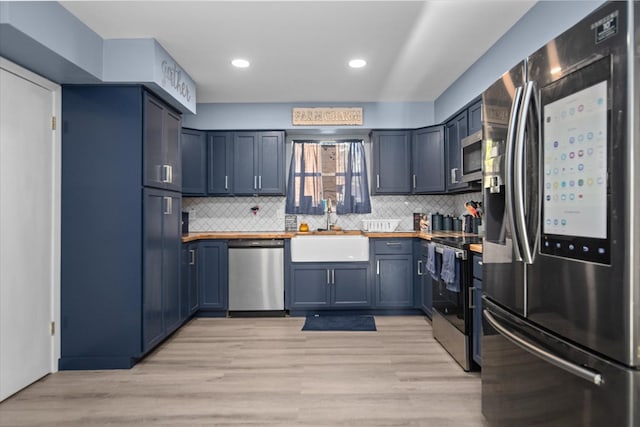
(299, 49)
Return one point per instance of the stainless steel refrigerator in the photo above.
(561, 251)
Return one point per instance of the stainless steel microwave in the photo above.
(471, 157)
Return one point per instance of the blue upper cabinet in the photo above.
(455, 130)
(428, 160)
(391, 162)
(475, 117)
(220, 163)
(270, 167)
(464, 123)
(193, 145)
(258, 163)
(245, 160)
(161, 145)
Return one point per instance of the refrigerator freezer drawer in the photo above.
(521, 388)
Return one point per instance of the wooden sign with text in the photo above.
(327, 116)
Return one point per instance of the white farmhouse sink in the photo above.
(330, 248)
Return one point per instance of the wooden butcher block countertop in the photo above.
(231, 235)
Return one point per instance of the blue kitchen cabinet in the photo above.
(310, 286)
(220, 163)
(189, 289)
(193, 289)
(258, 163)
(330, 285)
(464, 123)
(161, 145)
(455, 130)
(391, 162)
(161, 248)
(476, 307)
(349, 285)
(213, 275)
(423, 277)
(193, 147)
(120, 253)
(428, 160)
(184, 282)
(393, 272)
(475, 117)
(271, 163)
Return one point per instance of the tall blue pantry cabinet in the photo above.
(121, 204)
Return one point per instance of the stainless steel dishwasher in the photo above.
(256, 276)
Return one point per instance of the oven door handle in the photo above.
(459, 253)
(577, 370)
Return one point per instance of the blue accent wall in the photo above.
(544, 22)
(278, 115)
(45, 38)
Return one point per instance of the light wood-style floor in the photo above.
(266, 372)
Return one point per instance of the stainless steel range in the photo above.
(452, 317)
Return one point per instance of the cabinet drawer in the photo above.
(392, 246)
(477, 267)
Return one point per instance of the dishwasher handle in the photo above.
(255, 243)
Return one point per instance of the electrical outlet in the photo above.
(192, 214)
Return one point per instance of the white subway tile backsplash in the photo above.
(235, 213)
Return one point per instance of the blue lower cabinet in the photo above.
(393, 277)
(423, 284)
(310, 286)
(394, 281)
(193, 291)
(184, 282)
(350, 286)
(189, 292)
(213, 275)
(329, 285)
(161, 285)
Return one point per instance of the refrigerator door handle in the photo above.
(528, 104)
(509, 172)
(577, 370)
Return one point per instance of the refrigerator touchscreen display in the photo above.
(575, 164)
(575, 153)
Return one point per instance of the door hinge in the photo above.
(53, 328)
(53, 123)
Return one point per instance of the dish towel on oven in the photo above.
(431, 261)
(448, 273)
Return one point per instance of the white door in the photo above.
(29, 227)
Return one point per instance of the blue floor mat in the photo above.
(339, 323)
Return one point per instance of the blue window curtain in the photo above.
(354, 197)
(305, 191)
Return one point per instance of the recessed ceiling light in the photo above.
(357, 63)
(240, 63)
